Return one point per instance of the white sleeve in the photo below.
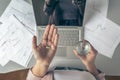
(31, 76)
(101, 76)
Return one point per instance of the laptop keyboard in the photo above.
(67, 37)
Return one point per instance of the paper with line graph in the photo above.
(103, 34)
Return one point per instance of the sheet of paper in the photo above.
(101, 6)
(0, 21)
(23, 11)
(23, 56)
(0, 26)
(94, 19)
(93, 6)
(15, 36)
(103, 34)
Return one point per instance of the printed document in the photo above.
(103, 34)
(23, 11)
(14, 41)
(101, 6)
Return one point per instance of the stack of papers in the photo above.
(23, 11)
(101, 32)
(17, 26)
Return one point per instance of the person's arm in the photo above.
(49, 6)
(44, 52)
(93, 69)
(89, 62)
(31, 76)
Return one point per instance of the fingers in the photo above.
(53, 49)
(45, 35)
(56, 40)
(93, 50)
(34, 42)
(54, 46)
(54, 34)
(78, 55)
(54, 43)
(51, 37)
(51, 32)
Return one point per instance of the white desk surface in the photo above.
(109, 66)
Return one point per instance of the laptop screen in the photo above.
(59, 12)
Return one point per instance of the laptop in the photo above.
(69, 32)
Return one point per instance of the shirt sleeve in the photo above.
(101, 76)
(31, 76)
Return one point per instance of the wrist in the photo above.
(42, 63)
(90, 65)
(92, 69)
(40, 69)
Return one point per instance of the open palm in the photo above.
(45, 51)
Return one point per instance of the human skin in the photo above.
(89, 60)
(45, 51)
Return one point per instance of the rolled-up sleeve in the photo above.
(31, 76)
(101, 76)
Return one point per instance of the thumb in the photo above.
(34, 42)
